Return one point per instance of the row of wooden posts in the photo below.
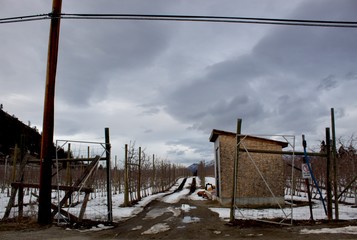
(331, 167)
(138, 180)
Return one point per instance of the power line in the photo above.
(25, 18)
(217, 19)
(188, 18)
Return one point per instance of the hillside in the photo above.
(11, 130)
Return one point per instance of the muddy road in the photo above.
(186, 219)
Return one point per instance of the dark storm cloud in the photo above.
(282, 80)
(92, 51)
(168, 84)
(328, 83)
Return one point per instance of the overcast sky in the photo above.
(166, 85)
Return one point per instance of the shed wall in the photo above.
(252, 191)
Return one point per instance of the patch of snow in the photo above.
(97, 208)
(137, 228)
(157, 228)
(175, 197)
(97, 228)
(157, 212)
(176, 212)
(187, 207)
(298, 213)
(154, 213)
(342, 230)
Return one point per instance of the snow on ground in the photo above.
(342, 230)
(96, 209)
(298, 213)
(160, 227)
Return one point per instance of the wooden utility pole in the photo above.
(44, 206)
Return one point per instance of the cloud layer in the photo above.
(166, 85)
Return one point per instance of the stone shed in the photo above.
(252, 189)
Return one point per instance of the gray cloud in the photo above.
(168, 84)
(279, 82)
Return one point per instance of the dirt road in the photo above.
(183, 220)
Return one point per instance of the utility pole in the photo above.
(44, 206)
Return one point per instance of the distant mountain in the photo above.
(193, 167)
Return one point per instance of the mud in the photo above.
(183, 220)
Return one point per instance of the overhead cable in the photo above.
(188, 18)
(25, 18)
(217, 19)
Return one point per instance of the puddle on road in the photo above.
(189, 219)
(162, 227)
(154, 213)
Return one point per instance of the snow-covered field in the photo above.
(96, 208)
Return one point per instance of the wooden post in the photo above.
(126, 183)
(82, 178)
(139, 176)
(20, 200)
(162, 176)
(44, 206)
(109, 185)
(69, 173)
(119, 181)
(334, 163)
(88, 154)
(308, 191)
(84, 206)
(235, 171)
(14, 189)
(328, 177)
(153, 175)
(14, 164)
(115, 175)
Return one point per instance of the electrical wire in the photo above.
(217, 19)
(186, 18)
(25, 18)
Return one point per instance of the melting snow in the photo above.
(137, 228)
(186, 207)
(343, 230)
(96, 228)
(160, 227)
